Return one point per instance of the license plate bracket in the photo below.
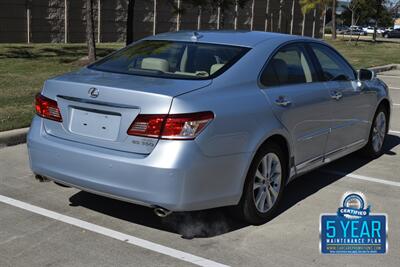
(95, 124)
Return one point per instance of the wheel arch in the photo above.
(284, 144)
(283, 141)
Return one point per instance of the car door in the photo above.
(299, 101)
(350, 104)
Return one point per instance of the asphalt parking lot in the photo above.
(42, 224)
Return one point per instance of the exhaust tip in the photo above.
(41, 178)
(161, 212)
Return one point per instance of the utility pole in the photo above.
(99, 21)
(178, 16)
(199, 18)
(333, 19)
(218, 16)
(266, 16)
(154, 16)
(272, 22)
(28, 21)
(235, 21)
(324, 22)
(252, 15)
(292, 18)
(314, 21)
(280, 16)
(65, 21)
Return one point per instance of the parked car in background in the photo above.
(356, 30)
(196, 120)
(341, 29)
(381, 30)
(370, 30)
(395, 33)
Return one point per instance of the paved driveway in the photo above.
(42, 224)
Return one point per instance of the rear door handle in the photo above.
(336, 95)
(282, 101)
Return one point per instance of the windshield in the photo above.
(187, 60)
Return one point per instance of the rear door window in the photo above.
(290, 65)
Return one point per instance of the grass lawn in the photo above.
(366, 54)
(24, 68)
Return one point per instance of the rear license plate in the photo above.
(95, 124)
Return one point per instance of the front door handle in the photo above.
(282, 101)
(336, 95)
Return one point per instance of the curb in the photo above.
(379, 69)
(13, 137)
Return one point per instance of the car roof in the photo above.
(228, 37)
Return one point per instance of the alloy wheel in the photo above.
(379, 131)
(267, 182)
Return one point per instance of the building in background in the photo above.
(44, 21)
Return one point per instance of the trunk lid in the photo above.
(98, 107)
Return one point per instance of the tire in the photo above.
(256, 190)
(377, 134)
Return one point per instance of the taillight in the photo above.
(175, 126)
(186, 126)
(47, 108)
(147, 125)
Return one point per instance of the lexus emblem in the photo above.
(93, 92)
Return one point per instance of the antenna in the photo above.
(196, 36)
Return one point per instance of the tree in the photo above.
(353, 8)
(368, 12)
(379, 9)
(218, 5)
(200, 5)
(129, 22)
(325, 4)
(90, 31)
(223, 5)
(308, 5)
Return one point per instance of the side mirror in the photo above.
(365, 75)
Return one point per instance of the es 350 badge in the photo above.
(353, 229)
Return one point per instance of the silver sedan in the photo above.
(196, 120)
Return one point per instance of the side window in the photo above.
(332, 65)
(289, 65)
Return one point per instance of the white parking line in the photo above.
(361, 177)
(111, 233)
(394, 88)
(395, 104)
(394, 132)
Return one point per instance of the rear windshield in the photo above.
(186, 60)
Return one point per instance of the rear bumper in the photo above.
(176, 175)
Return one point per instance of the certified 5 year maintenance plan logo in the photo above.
(353, 229)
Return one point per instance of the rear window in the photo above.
(186, 60)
